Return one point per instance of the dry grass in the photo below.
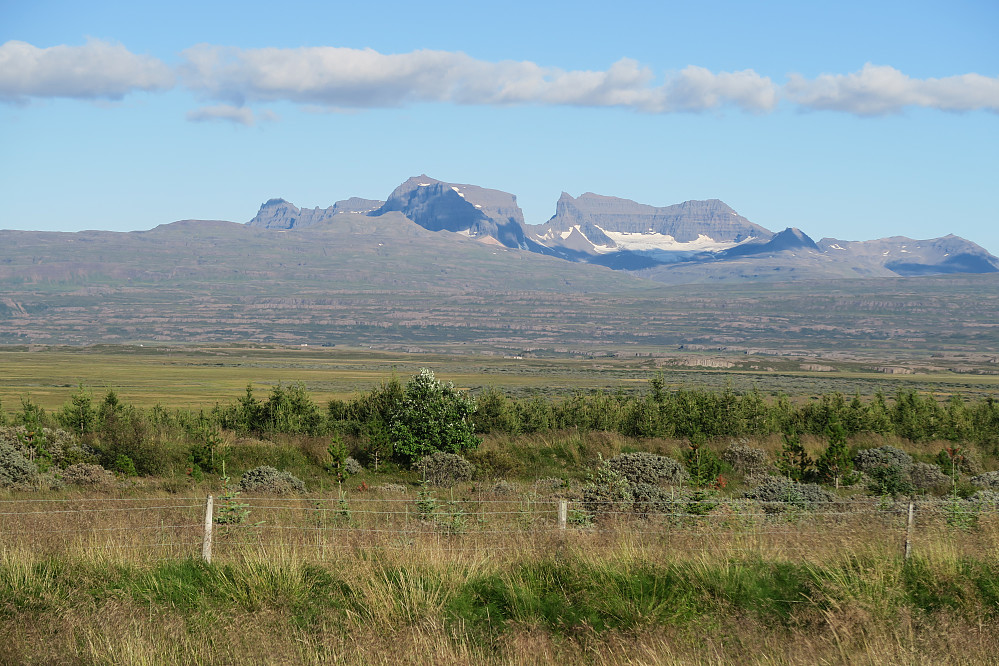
(384, 587)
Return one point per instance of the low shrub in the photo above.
(391, 488)
(648, 468)
(927, 477)
(267, 479)
(648, 499)
(493, 464)
(352, 466)
(988, 480)
(16, 471)
(890, 479)
(747, 460)
(607, 491)
(870, 459)
(444, 469)
(83, 474)
(503, 488)
(776, 493)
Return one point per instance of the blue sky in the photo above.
(851, 120)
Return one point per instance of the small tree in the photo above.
(433, 416)
(835, 464)
(337, 465)
(79, 415)
(793, 461)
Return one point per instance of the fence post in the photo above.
(908, 530)
(206, 545)
(563, 513)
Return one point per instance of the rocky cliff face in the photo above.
(280, 214)
(684, 222)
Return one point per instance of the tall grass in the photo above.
(626, 592)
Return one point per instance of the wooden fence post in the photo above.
(206, 545)
(563, 513)
(908, 530)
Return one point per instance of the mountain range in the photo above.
(689, 242)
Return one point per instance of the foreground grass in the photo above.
(556, 601)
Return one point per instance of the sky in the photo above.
(848, 120)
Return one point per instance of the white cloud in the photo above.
(225, 112)
(96, 70)
(880, 89)
(342, 78)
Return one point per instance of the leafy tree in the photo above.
(433, 416)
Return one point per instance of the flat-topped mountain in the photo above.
(279, 214)
(477, 212)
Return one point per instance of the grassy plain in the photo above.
(198, 376)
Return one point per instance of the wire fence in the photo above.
(320, 527)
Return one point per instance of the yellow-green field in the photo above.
(189, 376)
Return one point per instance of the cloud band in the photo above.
(334, 77)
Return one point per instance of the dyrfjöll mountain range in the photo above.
(694, 241)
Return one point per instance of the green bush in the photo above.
(432, 417)
(607, 491)
(890, 479)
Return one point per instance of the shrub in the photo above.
(890, 479)
(960, 460)
(444, 469)
(650, 499)
(352, 466)
(607, 491)
(16, 471)
(926, 477)
(986, 500)
(493, 464)
(267, 479)
(989, 480)
(61, 448)
(776, 493)
(746, 459)
(870, 459)
(83, 474)
(648, 468)
(432, 417)
(703, 465)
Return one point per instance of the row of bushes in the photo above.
(679, 414)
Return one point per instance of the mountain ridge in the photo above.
(692, 241)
